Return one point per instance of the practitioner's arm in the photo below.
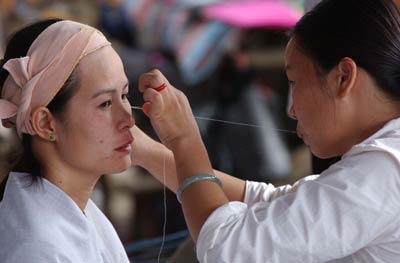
(171, 117)
(150, 155)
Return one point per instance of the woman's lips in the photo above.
(125, 148)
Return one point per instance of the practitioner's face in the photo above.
(313, 106)
(94, 135)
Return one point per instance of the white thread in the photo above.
(136, 107)
(240, 123)
(165, 213)
(229, 122)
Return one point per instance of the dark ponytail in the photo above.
(368, 31)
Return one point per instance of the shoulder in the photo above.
(369, 178)
(34, 238)
(24, 206)
(17, 186)
(379, 157)
(34, 251)
(385, 142)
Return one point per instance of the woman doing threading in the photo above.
(343, 66)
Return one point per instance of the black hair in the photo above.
(367, 31)
(24, 160)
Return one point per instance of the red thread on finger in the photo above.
(161, 87)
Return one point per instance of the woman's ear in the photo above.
(43, 123)
(347, 74)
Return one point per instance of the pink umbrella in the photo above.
(255, 14)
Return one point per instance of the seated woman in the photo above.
(64, 89)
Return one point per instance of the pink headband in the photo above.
(35, 80)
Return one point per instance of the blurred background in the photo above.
(228, 58)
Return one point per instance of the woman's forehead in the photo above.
(105, 57)
(100, 70)
(103, 65)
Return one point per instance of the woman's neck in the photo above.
(76, 185)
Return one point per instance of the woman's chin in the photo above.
(122, 166)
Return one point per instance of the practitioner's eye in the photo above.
(125, 96)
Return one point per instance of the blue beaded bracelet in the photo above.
(194, 179)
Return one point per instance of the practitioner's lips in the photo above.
(301, 135)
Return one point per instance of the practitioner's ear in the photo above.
(347, 74)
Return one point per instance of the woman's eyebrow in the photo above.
(105, 91)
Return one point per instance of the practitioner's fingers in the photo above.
(154, 103)
(153, 79)
(161, 87)
(167, 107)
(153, 84)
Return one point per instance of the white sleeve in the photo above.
(261, 192)
(331, 217)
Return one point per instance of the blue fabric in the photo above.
(201, 51)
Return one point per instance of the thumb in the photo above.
(146, 108)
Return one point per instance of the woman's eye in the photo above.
(125, 96)
(106, 104)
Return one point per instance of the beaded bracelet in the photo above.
(194, 179)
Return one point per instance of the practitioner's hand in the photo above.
(168, 109)
(141, 146)
(153, 156)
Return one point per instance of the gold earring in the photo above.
(52, 138)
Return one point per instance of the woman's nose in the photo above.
(292, 113)
(126, 119)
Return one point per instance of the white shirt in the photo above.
(40, 223)
(349, 213)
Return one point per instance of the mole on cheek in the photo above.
(101, 141)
